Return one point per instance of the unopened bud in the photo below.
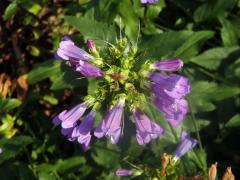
(92, 48)
(212, 171)
(165, 161)
(228, 175)
(123, 172)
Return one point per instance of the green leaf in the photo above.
(191, 46)
(182, 44)
(10, 11)
(224, 92)
(188, 124)
(130, 19)
(62, 166)
(92, 29)
(204, 93)
(233, 70)
(43, 70)
(164, 44)
(46, 176)
(153, 11)
(199, 158)
(9, 104)
(233, 122)
(34, 51)
(7, 126)
(106, 154)
(151, 29)
(228, 33)
(12, 147)
(212, 58)
(199, 98)
(31, 7)
(67, 78)
(50, 99)
(212, 9)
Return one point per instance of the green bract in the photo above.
(123, 75)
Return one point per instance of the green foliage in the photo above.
(10, 10)
(212, 58)
(233, 122)
(92, 29)
(43, 71)
(205, 34)
(9, 104)
(9, 149)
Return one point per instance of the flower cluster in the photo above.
(122, 82)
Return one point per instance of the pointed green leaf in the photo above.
(212, 58)
(92, 29)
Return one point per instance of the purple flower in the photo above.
(88, 70)
(174, 110)
(148, 1)
(82, 132)
(187, 143)
(68, 133)
(77, 57)
(123, 172)
(69, 51)
(68, 119)
(73, 128)
(169, 91)
(173, 64)
(110, 125)
(174, 85)
(145, 128)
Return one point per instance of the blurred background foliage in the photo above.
(34, 86)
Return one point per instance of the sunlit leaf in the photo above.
(10, 10)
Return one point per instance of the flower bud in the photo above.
(92, 48)
(173, 64)
(228, 175)
(124, 172)
(212, 171)
(165, 161)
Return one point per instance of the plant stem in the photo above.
(195, 126)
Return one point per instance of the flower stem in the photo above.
(195, 125)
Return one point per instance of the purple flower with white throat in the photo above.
(169, 90)
(173, 64)
(124, 172)
(187, 143)
(146, 130)
(82, 132)
(148, 1)
(69, 51)
(110, 125)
